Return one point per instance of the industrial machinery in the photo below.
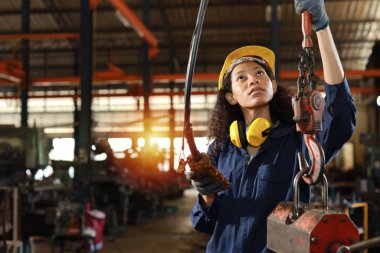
(295, 227)
(23, 148)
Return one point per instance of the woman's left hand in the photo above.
(320, 20)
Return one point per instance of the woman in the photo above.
(261, 171)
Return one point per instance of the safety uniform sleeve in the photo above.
(339, 118)
(204, 219)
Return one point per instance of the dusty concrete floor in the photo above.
(169, 234)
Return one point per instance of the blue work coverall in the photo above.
(237, 219)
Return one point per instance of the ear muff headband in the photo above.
(242, 133)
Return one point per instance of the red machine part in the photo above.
(315, 231)
(308, 111)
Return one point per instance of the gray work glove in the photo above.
(319, 17)
(208, 185)
(204, 176)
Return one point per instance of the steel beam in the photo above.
(174, 60)
(169, 6)
(274, 34)
(136, 24)
(39, 36)
(26, 64)
(12, 70)
(146, 73)
(354, 90)
(94, 3)
(100, 77)
(84, 142)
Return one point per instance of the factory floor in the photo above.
(171, 233)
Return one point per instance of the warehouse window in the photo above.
(120, 144)
(63, 148)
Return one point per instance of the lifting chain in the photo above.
(308, 106)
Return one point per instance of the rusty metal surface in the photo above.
(316, 230)
(335, 228)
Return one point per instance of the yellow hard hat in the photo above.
(264, 53)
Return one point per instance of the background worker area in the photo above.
(260, 167)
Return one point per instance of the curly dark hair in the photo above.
(224, 113)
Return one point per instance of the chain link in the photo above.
(306, 64)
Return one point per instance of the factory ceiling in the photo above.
(228, 24)
(54, 42)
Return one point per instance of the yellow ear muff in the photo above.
(234, 134)
(237, 134)
(254, 135)
(255, 131)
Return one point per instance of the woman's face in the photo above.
(251, 86)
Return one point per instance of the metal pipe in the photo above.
(373, 242)
(325, 191)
